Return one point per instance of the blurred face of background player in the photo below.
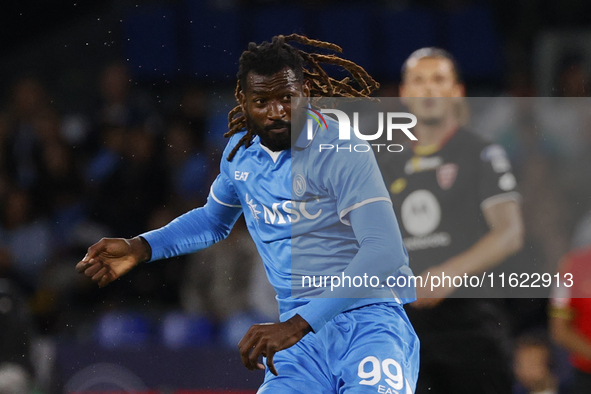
(266, 102)
(424, 80)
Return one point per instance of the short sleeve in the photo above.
(222, 190)
(496, 180)
(355, 180)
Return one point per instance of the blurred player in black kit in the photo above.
(454, 195)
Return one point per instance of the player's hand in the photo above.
(111, 258)
(267, 339)
(430, 298)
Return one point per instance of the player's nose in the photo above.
(276, 110)
(429, 90)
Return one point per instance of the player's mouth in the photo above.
(279, 130)
(278, 127)
(428, 102)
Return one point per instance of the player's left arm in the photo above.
(363, 203)
(500, 206)
(379, 254)
(504, 238)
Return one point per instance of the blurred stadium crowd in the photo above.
(130, 158)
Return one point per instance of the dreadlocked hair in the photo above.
(269, 58)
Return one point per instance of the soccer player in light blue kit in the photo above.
(331, 211)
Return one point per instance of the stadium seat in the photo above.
(122, 329)
(179, 330)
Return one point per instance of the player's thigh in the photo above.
(383, 356)
(301, 369)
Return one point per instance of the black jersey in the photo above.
(439, 197)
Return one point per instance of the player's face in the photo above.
(266, 102)
(426, 80)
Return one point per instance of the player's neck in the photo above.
(435, 135)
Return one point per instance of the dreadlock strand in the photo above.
(358, 72)
(319, 70)
(235, 111)
(315, 43)
(245, 140)
(346, 64)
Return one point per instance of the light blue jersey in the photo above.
(307, 223)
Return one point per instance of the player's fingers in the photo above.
(107, 278)
(270, 364)
(93, 269)
(99, 275)
(244, 357)
(245, 349)
(95, 249)
(253, 358)
(244, 339)
(82, 266)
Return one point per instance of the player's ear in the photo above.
(459, 90)
(306, 88)
(402, 94)
(241, 99)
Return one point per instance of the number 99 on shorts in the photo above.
(371, 371)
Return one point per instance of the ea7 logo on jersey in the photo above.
(241, 175)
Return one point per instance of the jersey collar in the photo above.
(274, 154)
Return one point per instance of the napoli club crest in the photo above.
(299, 185)
(446, 175)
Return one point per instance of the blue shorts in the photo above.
(373, 349)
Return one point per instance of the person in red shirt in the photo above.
(570, 315)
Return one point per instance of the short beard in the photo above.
(275, 142)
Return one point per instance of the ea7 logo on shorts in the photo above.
(241, 175)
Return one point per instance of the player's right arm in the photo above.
(110, 258)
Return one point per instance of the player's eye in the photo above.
(288, 96)
(258, 101)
